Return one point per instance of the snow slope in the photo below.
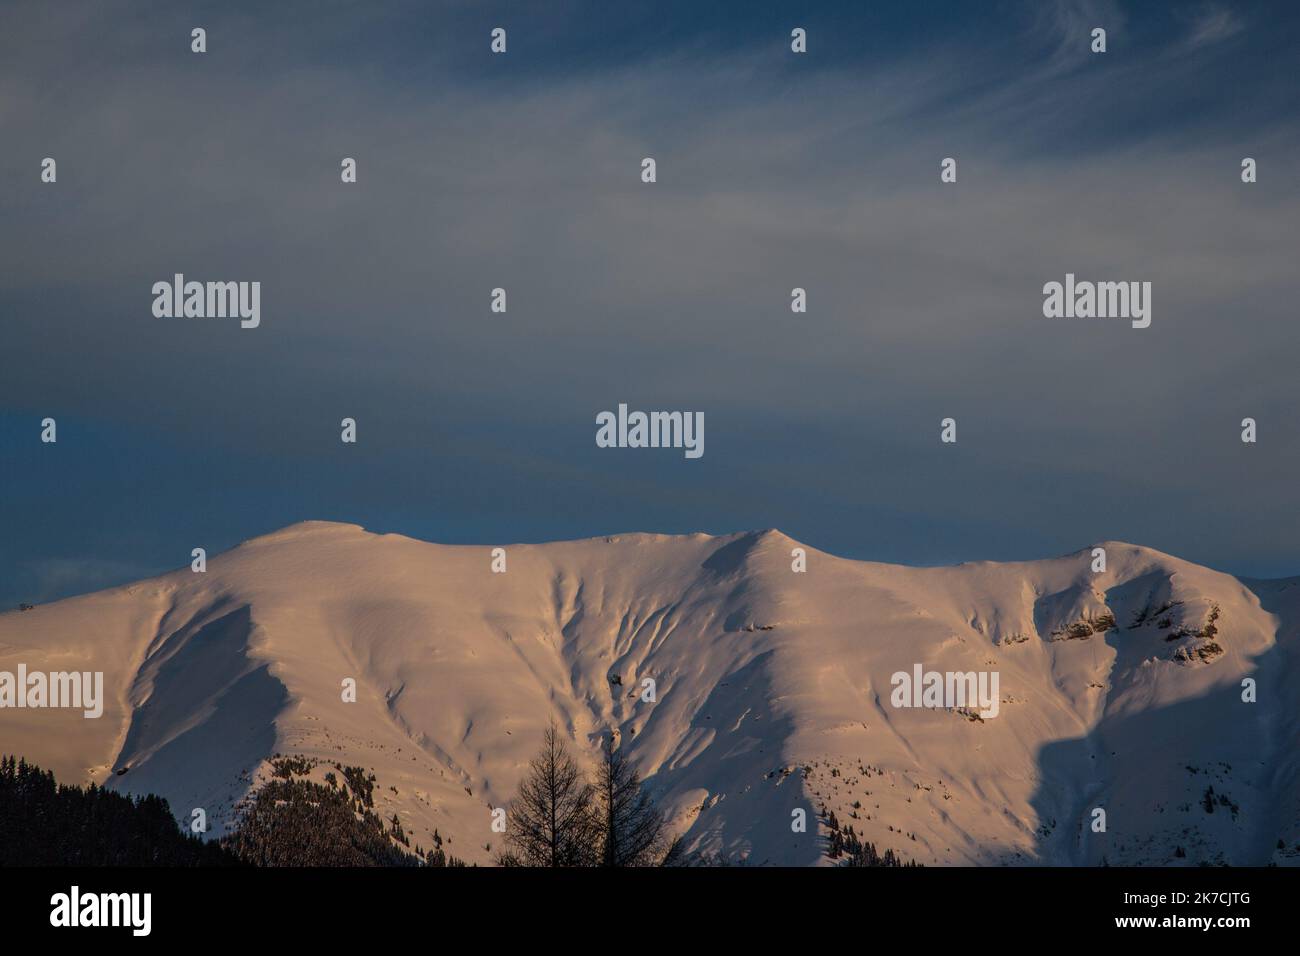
(773, 691)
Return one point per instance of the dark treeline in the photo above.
(296, 822)
(44, 823)
(301, 823)
(847, 849)
(560, 818)
(286, 822)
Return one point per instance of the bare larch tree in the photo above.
(551, 822)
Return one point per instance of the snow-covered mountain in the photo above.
(1120, 690)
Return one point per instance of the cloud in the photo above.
(924, 299)
(1064, 28)
(1213, 24)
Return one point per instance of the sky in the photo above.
(522, 171)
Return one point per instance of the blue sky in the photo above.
(521, 171)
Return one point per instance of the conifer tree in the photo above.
(631, 829)
(550, 822)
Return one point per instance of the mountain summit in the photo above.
(1160, 693)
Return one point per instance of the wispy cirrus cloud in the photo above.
(1212, 24)
(924, 298)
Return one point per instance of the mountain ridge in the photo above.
(772, 690)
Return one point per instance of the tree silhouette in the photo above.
(550, 822)
(631, 829)
(45, 823)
